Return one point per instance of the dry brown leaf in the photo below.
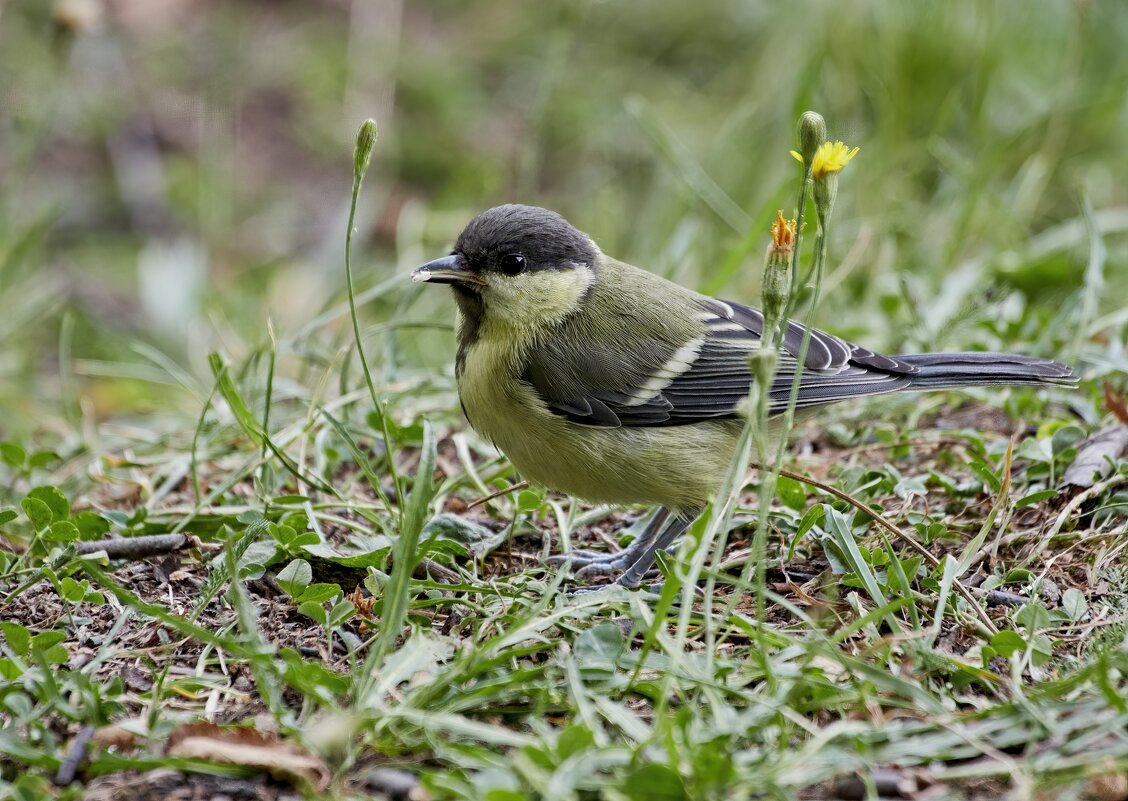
(1107, 787)
(249, 749)
(1116, 403)
(121, 735)
(1095, 457)
(804, 598)
(364, 603)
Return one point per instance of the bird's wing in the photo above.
(707, 377)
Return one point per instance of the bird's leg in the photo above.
(601, 564)
(642, 565)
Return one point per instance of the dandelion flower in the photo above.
(831, 157)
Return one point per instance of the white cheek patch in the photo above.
(536, 298)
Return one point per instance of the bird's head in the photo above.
(521, 266)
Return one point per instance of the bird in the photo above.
(611, 384)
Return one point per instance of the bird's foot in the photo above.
(590, 564)
(581, 559)
(652, 588)
(603, 567)
(588, 589)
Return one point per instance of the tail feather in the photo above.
(955, 370)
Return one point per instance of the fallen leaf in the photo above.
(1116, 403)
(1095, 457)
(121, 736)
(249, 749)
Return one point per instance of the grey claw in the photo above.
(587, 589)
(577, 558)
(601, 568)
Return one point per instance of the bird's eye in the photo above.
(512, 263)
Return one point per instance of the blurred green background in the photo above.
(174, 173)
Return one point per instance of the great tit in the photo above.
(611, 384)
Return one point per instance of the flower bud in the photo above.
(776, 289)
(812, 133)
(365, 143)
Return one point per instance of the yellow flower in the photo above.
(783, 234)
(831, 157)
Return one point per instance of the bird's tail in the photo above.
(955, 370)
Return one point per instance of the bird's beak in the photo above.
(447, 270)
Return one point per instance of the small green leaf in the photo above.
(813, 517)
(319, 593)
(1074, 603)
(1041, 650)
(258, 556)
(791, 493)
(55, 500)
(529, 500)
(654, 782)
(7, 515)
(575, 739)
(117, 517)
(600, 646)
(1032, 617)
(91, 525)
(1065, 438)
(298, 521)
(71, 590)
(987, 476)
(12, 454)
(47, 639)
(312, 678)
(340, 614)
(1035, 498)
(37, 512)
(42, 459)
(314, 612)
(304, 539)
(295, 577)
(46, 646)
(291, 500)
(357, 551)
(1008, 642)
(503, 794)
(283, 534)
(17, 637)
(62, 532)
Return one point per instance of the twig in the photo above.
(520, 485)
(76, 753)
(138, 547)
(429, 568)
(887, 783)
(984, 618)
(1003, 598)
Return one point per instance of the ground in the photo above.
(933, 608)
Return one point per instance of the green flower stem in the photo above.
(362, 157)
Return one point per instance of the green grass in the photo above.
(176, 356)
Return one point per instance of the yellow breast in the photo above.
(677, 466)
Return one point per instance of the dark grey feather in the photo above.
(593, 386)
